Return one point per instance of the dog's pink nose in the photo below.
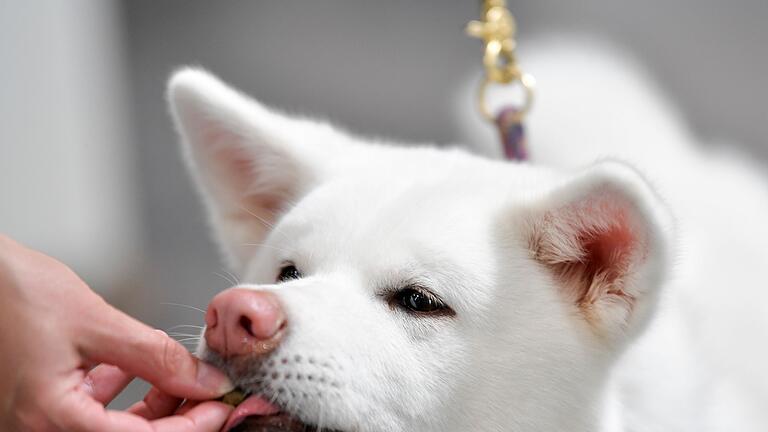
(244, 322)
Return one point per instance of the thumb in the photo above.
(112, 337)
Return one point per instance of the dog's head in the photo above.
(414, 289)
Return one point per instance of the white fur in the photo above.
(701, 367)
(361, 219)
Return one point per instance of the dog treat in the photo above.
(233, 398)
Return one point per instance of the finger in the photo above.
(205, 417)
(105, 382)
(118, 339)
(78, 412)
(155, 405)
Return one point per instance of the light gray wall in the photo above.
(66, 163)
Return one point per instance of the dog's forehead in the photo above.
(424, 191)
(368, 217)
(366, 205)
(408, 209)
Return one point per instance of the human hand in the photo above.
(54, 329)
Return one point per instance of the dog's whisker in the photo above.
(183, 306)
(189, 345)
(266, 223)
(234, 277)
(267, 246)
(185, 325)
(226, 278)
(183, 335)
(320, 419)
(270, 226)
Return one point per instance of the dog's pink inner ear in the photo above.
(247, 180)
(230, 164)
(240, 188)
(593, 246)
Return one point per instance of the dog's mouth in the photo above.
(272, 423)
(257, 414)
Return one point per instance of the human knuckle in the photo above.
(173, 356)
(152, 400)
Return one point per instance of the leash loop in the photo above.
(527, 82)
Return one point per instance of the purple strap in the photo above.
(512, 135)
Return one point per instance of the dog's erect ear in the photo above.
(250, 162)
(603, 236)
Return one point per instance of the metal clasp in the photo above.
(497, 29)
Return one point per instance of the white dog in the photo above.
(416, 289)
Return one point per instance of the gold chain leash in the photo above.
(497, 30)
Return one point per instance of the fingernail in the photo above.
(212, 378)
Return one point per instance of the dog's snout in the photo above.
(244, 322)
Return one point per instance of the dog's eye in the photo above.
(414, 300)
(288, 272)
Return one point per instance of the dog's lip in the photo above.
(257, 414)
(254, 405)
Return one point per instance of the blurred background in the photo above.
(90, 171)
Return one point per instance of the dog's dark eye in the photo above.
(414, 300)
(288, 272)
